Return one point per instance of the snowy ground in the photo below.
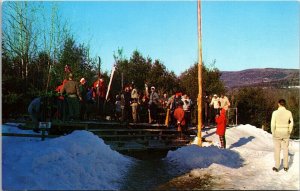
(81, 160)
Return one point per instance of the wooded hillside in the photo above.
(265, 77)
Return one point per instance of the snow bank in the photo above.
(78, 161)
(193, 156)
(246, 164)
(82, 161)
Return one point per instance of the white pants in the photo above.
(280, 143)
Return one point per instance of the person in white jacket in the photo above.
(225, 103)
(215, 104)
(281, 126)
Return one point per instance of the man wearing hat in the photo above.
(215, 104)
(153, 103)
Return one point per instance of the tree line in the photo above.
(36, 48)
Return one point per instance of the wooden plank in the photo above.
(69, 125)
(145, 148)
(133, 136)
(29, 135)
(148, 124)
(132, 130)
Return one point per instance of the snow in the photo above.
(82, 161)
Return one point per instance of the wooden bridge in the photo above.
(140, 140)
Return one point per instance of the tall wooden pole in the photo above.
(199, 75)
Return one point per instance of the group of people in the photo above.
(212, 106)
(71, 101)
(149, 107)
(215, 113)
(135, 106)
(75, 100)
(78, 101)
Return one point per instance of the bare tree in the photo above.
(19, 34)
(28, 30)
(54, 35)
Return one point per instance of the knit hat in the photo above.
(82, 80)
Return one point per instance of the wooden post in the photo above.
(110, 81)
(199, 75)
(167, 118)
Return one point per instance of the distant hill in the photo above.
(266, 77)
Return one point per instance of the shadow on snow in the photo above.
(148, 174)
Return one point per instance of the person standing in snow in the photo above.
(215, 104)
(221, 126)
(281, 126)
(35, 112)
(225, 103)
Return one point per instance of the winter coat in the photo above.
(71, 88)
(221, 123)
(215, 103)
(282, 123)
(134, 94)
(83, 91)
(224, 102)
(100, 89)
(154, 98)
(179, 115)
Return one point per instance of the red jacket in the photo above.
(59, 88)
(99, 88)
(179, 115)
(221, 122)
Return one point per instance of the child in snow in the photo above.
(221, 126)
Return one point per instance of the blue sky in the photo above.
(237, 34)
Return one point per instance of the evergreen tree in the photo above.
(76, 56)
(253, 107)
(211, 82)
